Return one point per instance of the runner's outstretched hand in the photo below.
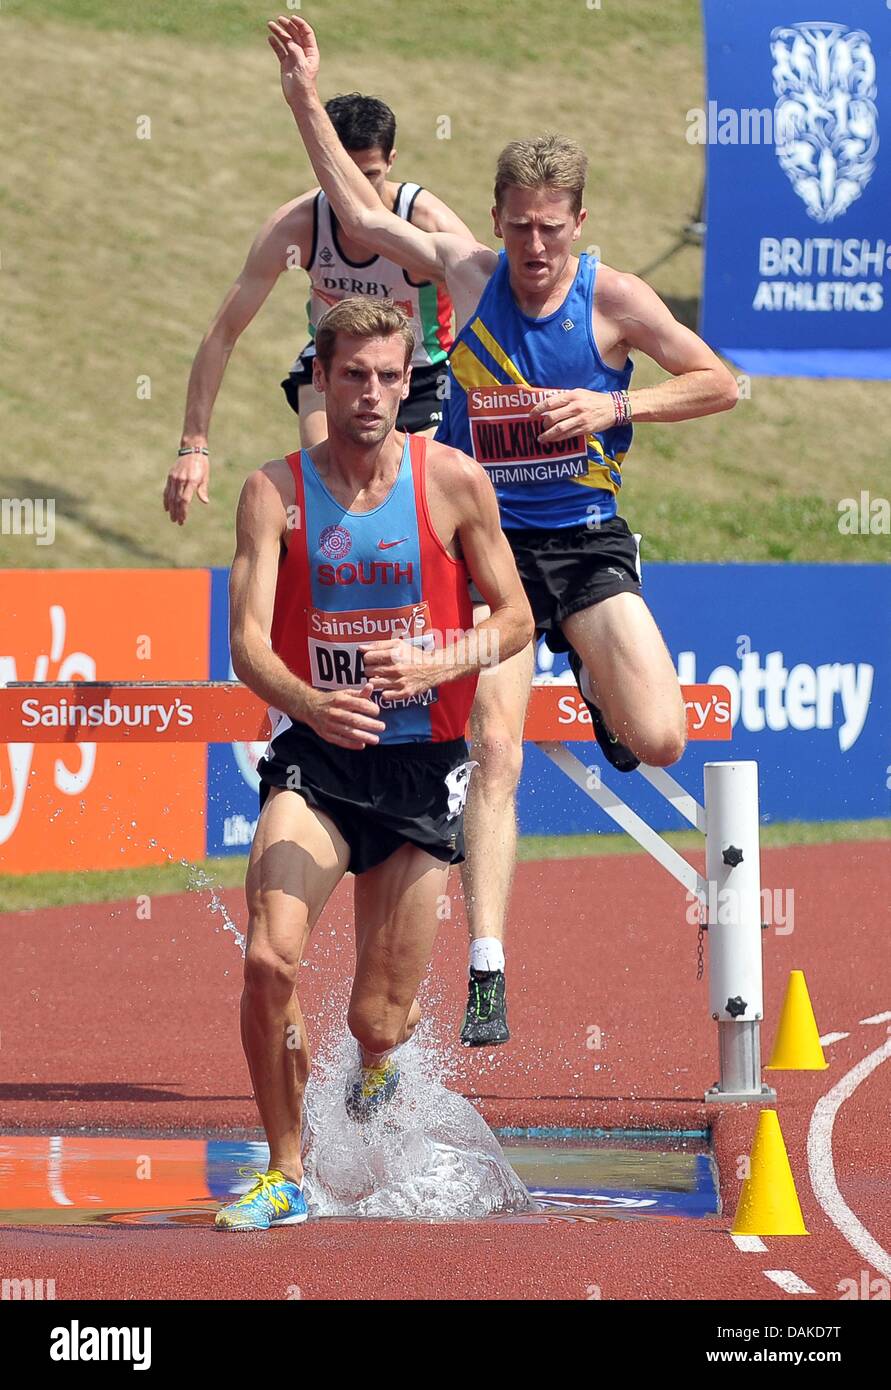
(188, 478)
(294, 44)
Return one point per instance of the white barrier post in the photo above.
(733, 906)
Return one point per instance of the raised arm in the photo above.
(426, 255)
(283, 240)
(347, 718)
(431, 214)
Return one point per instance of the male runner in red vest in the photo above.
(354, 557)
(538, 392)
(304, 233)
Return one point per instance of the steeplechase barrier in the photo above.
(729, 896)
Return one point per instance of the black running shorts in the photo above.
(571, 568)
(421, 411)
(380, 797)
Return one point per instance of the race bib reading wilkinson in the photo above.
(336, 639)
(506, 439)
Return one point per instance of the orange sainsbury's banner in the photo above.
(174, 712)
(88, 806)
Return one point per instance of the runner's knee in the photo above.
(270, 975)
(500, 760)
(661, 745)
(376, 1028)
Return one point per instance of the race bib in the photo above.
(335, 642)
(506, 439)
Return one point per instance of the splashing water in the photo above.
(428, 1156)
(199, 881)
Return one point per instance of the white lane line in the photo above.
(749, 1245)
(878, 1018)
(832, 1037)
(822, 1170)
(788, 1282)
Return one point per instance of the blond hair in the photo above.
(359, 317)
(548, 161)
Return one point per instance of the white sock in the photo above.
(486, 953)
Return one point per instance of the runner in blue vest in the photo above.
(538, 393)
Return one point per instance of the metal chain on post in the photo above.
(700, 938)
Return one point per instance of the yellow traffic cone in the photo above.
(768, 1203)
(797, 1043)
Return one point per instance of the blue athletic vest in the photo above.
(497, 357)
(350, 578)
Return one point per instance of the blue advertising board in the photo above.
(232, 782)
(805, 651)
(798, 186)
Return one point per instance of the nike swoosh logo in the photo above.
(388, 545)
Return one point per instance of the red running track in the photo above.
(109, 1021)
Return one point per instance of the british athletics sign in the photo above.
(797, 130)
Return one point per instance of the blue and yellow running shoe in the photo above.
(370, 1089)
(273, 1200)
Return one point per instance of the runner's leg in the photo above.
(634, 682)
(396, 926)
(297, 859)
(490, 825)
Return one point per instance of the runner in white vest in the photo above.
(334, 275)
(303, 234)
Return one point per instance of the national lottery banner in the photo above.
(804, 650)
(797, 129)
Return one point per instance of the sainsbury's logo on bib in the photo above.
(506, 439)
(335, 643)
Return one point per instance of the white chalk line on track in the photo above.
(787, 1281)
(832, 1037)
(749, 1245)
(822, 1168)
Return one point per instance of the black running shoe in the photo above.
(485, 1022)
(615, 752)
